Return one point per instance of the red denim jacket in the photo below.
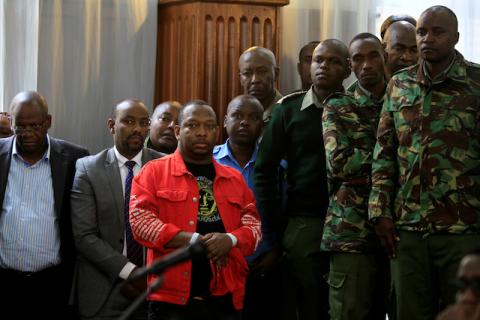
(164, 201)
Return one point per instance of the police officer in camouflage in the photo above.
(295, 131)
(426, 169)
(358, 266)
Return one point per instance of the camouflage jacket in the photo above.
(349, 128)
(426, 165)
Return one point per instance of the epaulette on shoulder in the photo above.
(471, 64)
(290, 96)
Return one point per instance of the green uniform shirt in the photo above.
(349, 130)
(294, 133)
(426, 165)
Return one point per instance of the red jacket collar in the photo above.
(179, 168)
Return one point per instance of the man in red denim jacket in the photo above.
(187, 197)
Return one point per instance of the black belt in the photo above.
(28, 274)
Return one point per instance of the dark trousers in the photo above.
(424, 272)
(306, 293)
(215, 308)
(46, 292)
(263, 293)
(359, 286)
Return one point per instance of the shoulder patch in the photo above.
(291, 95)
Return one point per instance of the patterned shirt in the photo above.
(426, 165)
(349, 126)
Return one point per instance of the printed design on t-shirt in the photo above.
(207, 206)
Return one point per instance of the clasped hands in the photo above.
(218, 245)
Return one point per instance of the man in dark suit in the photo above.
(36, 244)
(100, 197)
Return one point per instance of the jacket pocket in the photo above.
(173, 206)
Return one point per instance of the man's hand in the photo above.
(218, 245)
(385, 230)
(267, 261)
(132, 289)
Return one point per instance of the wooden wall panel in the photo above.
(199, 43)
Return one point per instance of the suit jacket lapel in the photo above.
(115, 182)
(58, 166)
(5, 158)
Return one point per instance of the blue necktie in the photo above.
(134, 249)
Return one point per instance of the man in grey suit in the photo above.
(101, 189)
(36, 245)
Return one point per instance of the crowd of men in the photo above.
(327, 203)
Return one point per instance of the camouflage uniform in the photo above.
(357, 265)
(426, 178)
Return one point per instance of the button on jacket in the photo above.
(164, 201)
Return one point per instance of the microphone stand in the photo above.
(140, 299)
(157, 267)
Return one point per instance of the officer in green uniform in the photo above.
(295, 132)
(426, 169)
(358, 266)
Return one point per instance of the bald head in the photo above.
(449, 17)
(196, 132)
(127, 104)
(5, 125)
(129, 126)
(164, 119)
(243, 121)
(330, 66)
(400, 46)
(304, 62)
(30, 98)
(336, 45)
(397, 28)
(437, 34)
(394, 18)
(261, 52)
(258, 71)
(245, 99)
(192, 106)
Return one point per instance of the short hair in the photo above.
(30, 98)
(447, 10)
(395, 18)
(245, 98)
(195, 102)
(262, 51)
(131, 101)
(311, 43)
(339, 44)
(365, 35)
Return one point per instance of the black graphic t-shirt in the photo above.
(208, 221)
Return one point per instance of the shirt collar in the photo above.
(121, 159)
(311, 99)
(224, 151)
(361, 90)
(442, 75)
(46, 155)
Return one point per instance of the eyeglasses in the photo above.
(463, 284)
(34, 127)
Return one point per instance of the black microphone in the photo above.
(194, 250)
